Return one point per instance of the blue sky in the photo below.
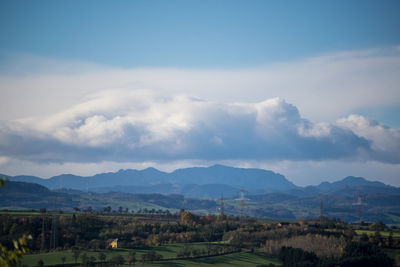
(195, 33)
(309, 89)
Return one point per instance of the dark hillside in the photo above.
(24, 195)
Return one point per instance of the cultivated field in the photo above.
(168, 252)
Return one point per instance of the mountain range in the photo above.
(197, 182)
(268, 194)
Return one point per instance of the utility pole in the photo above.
(222, 208)
(53, 241)
(42, 239)
(320, 212)
(53, 233)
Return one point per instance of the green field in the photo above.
(19, 212)
(368, 232)
(242, 259)
(383, 233)
(167, 251)
(101, 200)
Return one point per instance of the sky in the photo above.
(309, 89)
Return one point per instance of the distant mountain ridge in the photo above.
(349, 181)
(206, 182)
(270, 194)
(201, 179)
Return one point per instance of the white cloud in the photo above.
(141, 125)
(385, 141)
(323, 87)
(64, 114)
(4, 161)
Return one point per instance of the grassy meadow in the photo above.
(242, 259)
(168, 252)
(383, 233)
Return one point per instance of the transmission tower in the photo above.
(242, 201)
(359, 203)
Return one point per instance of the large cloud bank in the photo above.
(323, 87)
(125, 125)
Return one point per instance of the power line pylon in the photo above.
(242, 201)
(359, 203)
